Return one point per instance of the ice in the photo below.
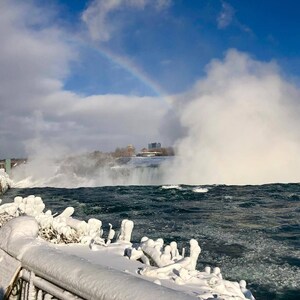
(245, 291)
(5, 182)
(78, 275)
(126, 230)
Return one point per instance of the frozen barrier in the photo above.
(55, 256)
(5, 182)
(36, 270)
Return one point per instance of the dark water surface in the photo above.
(250, 232)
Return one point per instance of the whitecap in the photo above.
(200, 190)
(175, 186)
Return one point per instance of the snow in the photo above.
(75, 255)
(5, 182)
(17, 234)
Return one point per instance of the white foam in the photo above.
(200, 190)
(174, 186)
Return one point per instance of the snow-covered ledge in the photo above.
(18, 237)
(65, 254)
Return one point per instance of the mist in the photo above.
(50, 165)
(242, 125)
(237, 125)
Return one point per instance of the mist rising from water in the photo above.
(104, 176)
(242, 123)
(58, 167)
(240, 126)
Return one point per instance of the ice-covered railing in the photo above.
(36, 240)
(5, 182)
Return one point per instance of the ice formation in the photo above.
(162, 264)
(168, 264)
(60, 228)
(5, 182)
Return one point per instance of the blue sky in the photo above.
(173, 46)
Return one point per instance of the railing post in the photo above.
(31, 289)
(8, 166)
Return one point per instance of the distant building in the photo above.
(155, 149)
(154, 146)
(146, 154)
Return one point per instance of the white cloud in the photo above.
(95, 17)
(34, 62)
(242, 125)
(101, 27)
(226, 15)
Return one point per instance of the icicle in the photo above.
(126, 230)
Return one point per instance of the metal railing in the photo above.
(48, 273)
(32, 287)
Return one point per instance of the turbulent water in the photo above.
(251, 232)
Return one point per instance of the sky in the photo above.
(100, 74)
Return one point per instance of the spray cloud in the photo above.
(239, 125)
(242, 125)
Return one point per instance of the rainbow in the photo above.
(133, 70)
